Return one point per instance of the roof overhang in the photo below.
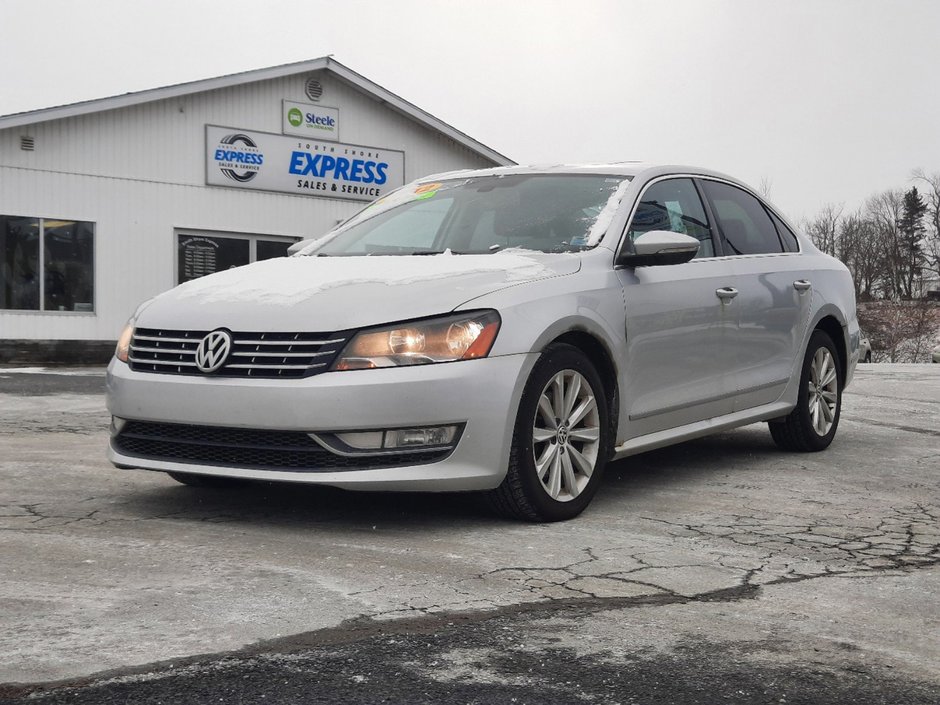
(325, 63)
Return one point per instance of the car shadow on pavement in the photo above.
(300, 506)
(728, 451)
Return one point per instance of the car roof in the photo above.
(631, 169)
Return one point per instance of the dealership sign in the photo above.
(314, 122)
(266, 162)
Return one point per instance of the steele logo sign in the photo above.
(295, 117)
(312, 121)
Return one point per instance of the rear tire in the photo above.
(194, 480)
(812, 424)
(561, 440)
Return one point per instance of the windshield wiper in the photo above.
(378, 253)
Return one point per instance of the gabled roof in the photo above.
(327, 63)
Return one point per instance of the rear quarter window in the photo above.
(790, 243)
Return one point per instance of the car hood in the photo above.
(339, 293)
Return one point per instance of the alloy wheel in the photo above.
(823, 392)
(566, 435)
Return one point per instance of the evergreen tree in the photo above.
(911, 227)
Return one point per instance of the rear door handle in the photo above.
(726, 293)
(802, 285)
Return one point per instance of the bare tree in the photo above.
(932, 237)
(861, 249)
(888, 245)
(823, 229)
(885, 211)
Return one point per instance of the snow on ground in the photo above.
(64, 371)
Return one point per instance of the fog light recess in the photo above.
(117, 425)
(393, 440)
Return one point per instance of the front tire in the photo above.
(560, 440)
(812, 425)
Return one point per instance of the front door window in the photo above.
(673, 205)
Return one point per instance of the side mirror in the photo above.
(659, 247)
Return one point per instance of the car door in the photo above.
(774, 293)
(679, 367)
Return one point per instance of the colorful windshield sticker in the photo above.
(426, 191)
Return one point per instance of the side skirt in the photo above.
(651, 441)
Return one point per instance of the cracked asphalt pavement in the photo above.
(719, 570)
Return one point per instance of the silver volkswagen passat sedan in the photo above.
(507, 331)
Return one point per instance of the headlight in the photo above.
(124, 342)
(460, 337)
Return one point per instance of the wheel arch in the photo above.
(830, 326)
(602, 360)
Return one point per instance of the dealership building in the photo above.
(105, 203)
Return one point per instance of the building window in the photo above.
(199, 254)
(46, 264)
(268, 249)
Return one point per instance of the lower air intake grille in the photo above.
(265, 355)
(292, 451)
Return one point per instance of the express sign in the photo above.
(268, 162)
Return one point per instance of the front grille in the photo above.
(291, 451)
(266, 355)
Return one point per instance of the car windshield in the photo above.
(482, 214)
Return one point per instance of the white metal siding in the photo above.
(164, 141)
(139, 172)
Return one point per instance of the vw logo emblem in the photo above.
(213, 350)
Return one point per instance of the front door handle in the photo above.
(726, 293)
(802, 285)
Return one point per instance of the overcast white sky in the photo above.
(830, 100)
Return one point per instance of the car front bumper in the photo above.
(481, 395)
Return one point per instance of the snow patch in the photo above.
(90, 372)
(606, 216)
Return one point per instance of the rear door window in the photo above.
(742, 220)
